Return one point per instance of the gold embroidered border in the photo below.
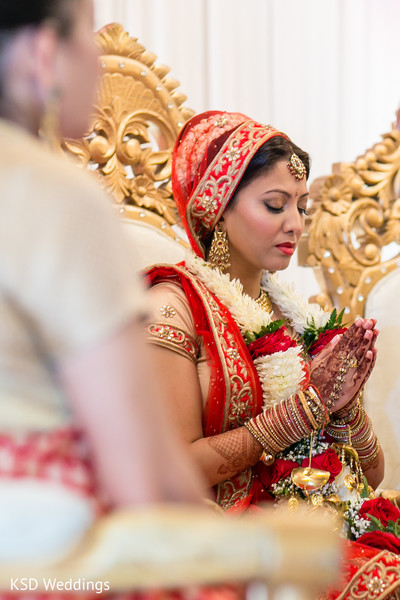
(239, 400)
(375, 580)
(172, 338)
(234, 490)
(238, 391)
(223, 174)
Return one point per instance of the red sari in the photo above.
(234, 396)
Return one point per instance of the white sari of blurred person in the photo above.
(82, 423)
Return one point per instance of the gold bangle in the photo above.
(249, 427)
(307, 410)
(296, 413)
(364, 460)
(285, 413)
(317, 407)
(346, 419)
(259, 434)
(261, 424)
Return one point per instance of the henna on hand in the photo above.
(341, 375)
(366, 344)
(238, 448)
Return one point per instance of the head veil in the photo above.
(209, 158)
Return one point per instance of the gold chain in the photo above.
(264, 301)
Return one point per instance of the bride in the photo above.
(264, 388)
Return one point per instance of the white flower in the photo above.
(246, 312)
(280, 374)
(345, 494)
(318, 315)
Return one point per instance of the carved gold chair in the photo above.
(352, 241)
(137, 117)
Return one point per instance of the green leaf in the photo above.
(375, 525)
(332, 320)
(312, 332)
(393, 527)
(340, 319)
(270, 328)
(365, 492)
(248, 337)
(397, 529)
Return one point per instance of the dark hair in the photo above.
(275, 149)
(16, 14)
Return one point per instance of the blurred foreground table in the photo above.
(174, 546)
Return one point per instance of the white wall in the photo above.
(326, 72)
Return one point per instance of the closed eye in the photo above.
(274, 209)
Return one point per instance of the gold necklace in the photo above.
(264, 301)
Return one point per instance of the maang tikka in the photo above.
(296, 167)
(218, 256)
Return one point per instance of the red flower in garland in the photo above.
(279, 470)
(381, 509)
(324, 339)
(327, 461)
(278, 341)
(383, 540)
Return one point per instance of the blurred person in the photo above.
(81, 424)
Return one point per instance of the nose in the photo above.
(294, 222)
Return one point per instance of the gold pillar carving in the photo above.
(352, 235)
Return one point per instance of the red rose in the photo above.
(278, 341)
(323, 340)
(383, 540)
(327, 461)
(278, 470)
(381, 509)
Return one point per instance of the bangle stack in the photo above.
(288, 422)
(356, 430)
(347, 414)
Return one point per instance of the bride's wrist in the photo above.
(346, 414)
(287, 422)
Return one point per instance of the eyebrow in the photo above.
(285, 193)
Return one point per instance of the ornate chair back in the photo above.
(136, 120)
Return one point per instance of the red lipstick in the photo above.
(287, 248)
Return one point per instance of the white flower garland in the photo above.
(280, 373)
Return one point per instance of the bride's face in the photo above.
(266, 221)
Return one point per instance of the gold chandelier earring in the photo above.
(218, 256)
(50, 124)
